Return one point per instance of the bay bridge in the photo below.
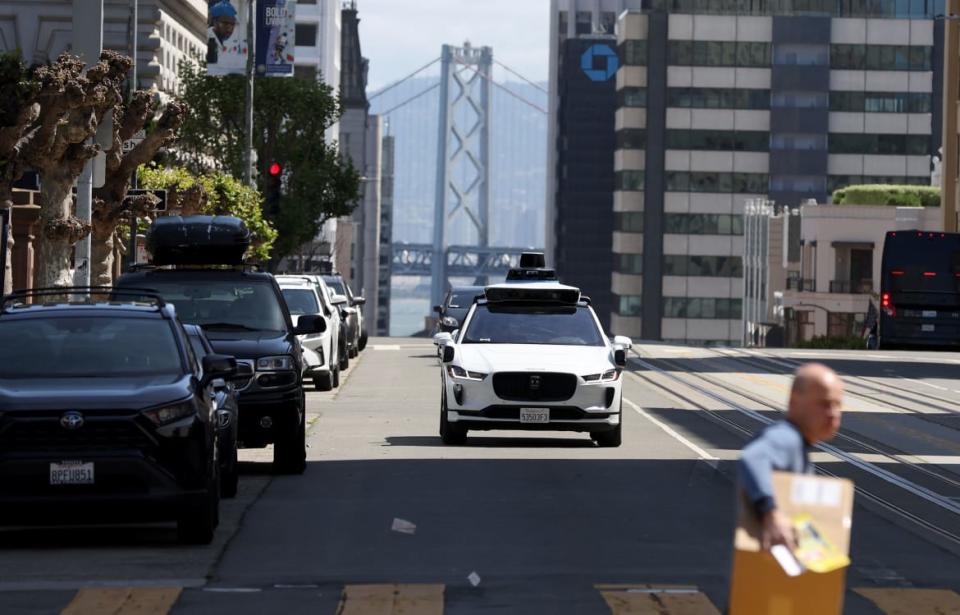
(469, 170)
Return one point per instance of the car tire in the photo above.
(363, 340)
(354, 352)
(336, 377)
(230, 476)
(323, 382)
(198, 519)
(609, 439)
(451, 433)
(290, 450)
(345, 360)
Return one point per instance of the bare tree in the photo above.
(72, 104)
(111, 205)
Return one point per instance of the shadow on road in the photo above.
(493, 442)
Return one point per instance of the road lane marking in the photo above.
(391, 600)
(123, 601)
(656, 600)
(909, 601)
(385, 346)
(670, 431)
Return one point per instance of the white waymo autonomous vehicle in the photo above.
(531, 355)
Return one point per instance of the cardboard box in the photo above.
(760, 585)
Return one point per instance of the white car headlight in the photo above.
(611, 375)
(449, 321)
(459, 373)
(275, 364)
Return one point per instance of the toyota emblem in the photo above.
(534, 383)
(71, 420)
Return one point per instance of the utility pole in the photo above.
(251, 60)
(134, 27)
(951, 90)
(87, 44)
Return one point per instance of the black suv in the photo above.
(107, 414)
(244, 315)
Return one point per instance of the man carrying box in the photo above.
(813, 415)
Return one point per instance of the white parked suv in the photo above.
(531, 355)
(321, 356)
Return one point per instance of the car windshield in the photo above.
(336, 286)
(463, 299)
(87, 347)
(223, 304)
(573, 326)
(301, 301)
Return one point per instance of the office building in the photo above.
(783, 102)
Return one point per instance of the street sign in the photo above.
(160, 194)
(134, 141)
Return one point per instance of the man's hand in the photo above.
(776, 529)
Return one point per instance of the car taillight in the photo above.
(887, 305)
(929, 274)
(897, 272)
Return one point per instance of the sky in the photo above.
(400, 36)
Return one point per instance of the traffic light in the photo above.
(273, 184)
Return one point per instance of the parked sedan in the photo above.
(107, 415)
(225, 403)
(320, 350)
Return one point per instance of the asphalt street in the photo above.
(388, 520)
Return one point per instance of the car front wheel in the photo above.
(198, 519)
(323, 382)
(290, 450)
(450, 433)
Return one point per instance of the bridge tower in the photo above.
(463, 155)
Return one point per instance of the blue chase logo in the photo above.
(599, 62)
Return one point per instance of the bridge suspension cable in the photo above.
(387, 88)
(409, 100)
(516, 74)
(509, 91)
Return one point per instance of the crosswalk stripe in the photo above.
(391, 600)
(656, 600)
(909, 601)
(123, 601)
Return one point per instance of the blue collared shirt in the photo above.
(779, 448)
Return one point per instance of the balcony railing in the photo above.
(850, 287)
(801, 285)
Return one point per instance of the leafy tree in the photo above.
(214, 193)
(291, 118)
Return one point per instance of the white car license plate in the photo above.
(71, 473)
(534, 415)
(929, 313)
(927, 328)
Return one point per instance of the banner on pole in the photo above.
(227, 45)
(275, 37)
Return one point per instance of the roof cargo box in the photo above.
(198, 240)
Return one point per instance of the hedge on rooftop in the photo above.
(888, 194)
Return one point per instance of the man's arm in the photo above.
(757, 462)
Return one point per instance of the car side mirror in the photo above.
(620, 357)
(623, 341)
(442, 339)
(359, 300)
(448, 354)
(217, 366)
(438, 309)
(310, 324)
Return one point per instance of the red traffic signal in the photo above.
(275, 169)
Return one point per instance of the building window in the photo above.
(836, 8)
(633, 53)
(800, 100)
(631, 138)
(881, 102)
(629, 263)
(703, 224)
(629, 221)
(718, 98)
(884, 144)
(741, 183)
(305, 72)
(719, 53)
(703, 266)
(798, 141)
(881, 57)
(305, 34)
(702, 307)
(632, 97)
(725, 140)
(844, 324)
(629, 305)
(584, 22)
(801, 55)
(628, 181)
(798, 183)
(608, 22)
